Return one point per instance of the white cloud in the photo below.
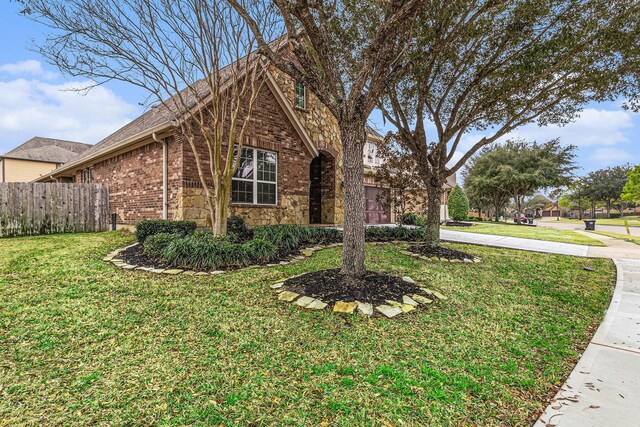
(610, 156)
(33, 107)
(29, 67)
(593, 127)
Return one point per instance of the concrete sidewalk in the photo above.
(604, 387)
(515, 243)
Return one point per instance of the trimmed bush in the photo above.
(412, 218)
(148, 228)
(458, 204)
(237, 230)
(385, 234)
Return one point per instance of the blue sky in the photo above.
(36, 100)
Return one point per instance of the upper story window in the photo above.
(371, 154)
(255, 181)
(301, 96)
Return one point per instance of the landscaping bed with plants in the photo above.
(177, 244)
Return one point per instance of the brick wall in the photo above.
(135, 181)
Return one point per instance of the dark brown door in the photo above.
(375, 212)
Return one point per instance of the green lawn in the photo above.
(527, 232)
(634, 221)
(84, 343)
(625, 237)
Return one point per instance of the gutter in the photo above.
(165, 173)
(74, 164)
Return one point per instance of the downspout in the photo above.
(165, 172)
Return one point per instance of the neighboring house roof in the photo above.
(47, 150)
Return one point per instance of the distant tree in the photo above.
(482, 180)
(518, 169)
(606, 185)
(631, 190)
(397, 173)
(575, 197)
(458, 204)
(482, 69)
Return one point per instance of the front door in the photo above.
(315, 191)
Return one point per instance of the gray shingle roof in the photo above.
(47, 150)
(161, 114)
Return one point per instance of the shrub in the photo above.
(385, 234)
(148, 228)
(412, 218)
(458, 204)
(203, 251)
(155, 244)
(237, 230)
(290, 237)
(260, 250)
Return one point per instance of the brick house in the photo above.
(292, 137)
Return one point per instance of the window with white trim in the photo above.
(301, 96)
(255, 181)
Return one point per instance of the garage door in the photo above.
(375, 212)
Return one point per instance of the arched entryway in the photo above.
(322, 189)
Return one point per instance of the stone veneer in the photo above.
(292, 209)
(323, 129)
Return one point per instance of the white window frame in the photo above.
(304, 96)
(255, 179)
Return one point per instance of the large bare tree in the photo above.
(480, 69)
(345, 52)
(192, 56)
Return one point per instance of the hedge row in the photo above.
(184, 247)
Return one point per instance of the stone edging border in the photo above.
(390, 309)
(112, 257)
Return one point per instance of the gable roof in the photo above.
(161, 117)
(47, 150)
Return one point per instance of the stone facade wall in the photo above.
(323, 129)
(135, 181)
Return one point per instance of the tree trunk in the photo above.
(221, 210)
(352, 135)
(434, 197)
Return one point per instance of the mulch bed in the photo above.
(440, 252)
(457, 224)
(330, 287)
(135, 256)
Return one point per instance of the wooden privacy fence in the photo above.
(44, 208)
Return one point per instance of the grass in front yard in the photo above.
(84, 343)
(528, 232)
(625, 237)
